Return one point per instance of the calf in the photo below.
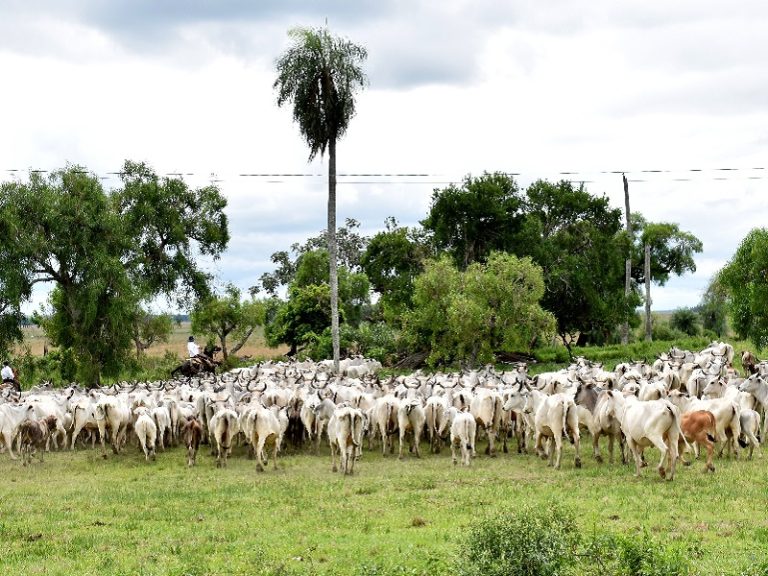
(698, 426)
(33, 435)
(192, 432)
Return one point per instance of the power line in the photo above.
(440, 179)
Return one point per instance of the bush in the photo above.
(686, 321)
(643, 556)
(533, 541)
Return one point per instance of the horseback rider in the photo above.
(192, 348)
(9, 376)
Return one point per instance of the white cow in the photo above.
(651, 423)
(463, 431)
(224, 426)
(146, 430)
(555, 416)
(411, 418)
(345, 435)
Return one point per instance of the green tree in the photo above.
(745, 281)
(713, 308)
(228, 318)
(471, 220)
(392, 261)
(578, 241)
(671, 251)
(468, 316)
(686, 320)
(10, 324)
(149, 329)
(105, 253)
(320, 74)
(302, 317)
(350, 248)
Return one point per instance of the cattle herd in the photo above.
(682, 401)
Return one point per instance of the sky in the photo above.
(671, 93)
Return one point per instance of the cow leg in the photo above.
(710, 446)
(596, 446)
(334, 468)
(658, 441)
(453, 451)
(633, 448)
(577, 448)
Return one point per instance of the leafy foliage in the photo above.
(304, 317)
(220, 318)
(533, 540)
(672, 250)
(467, 316)
(578, 241)
(471, 220)
(105, 253)
(686, 320)
(745, 280)
(392, 261)
(351, 247)
(713, 308)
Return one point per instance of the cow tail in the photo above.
(225, 434)
(353, 418)
(466, 434)
(566, 407)
(676, 418)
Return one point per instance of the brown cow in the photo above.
(192, 433)
(699, 427)
(33, 434)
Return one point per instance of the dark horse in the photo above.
(200, 364)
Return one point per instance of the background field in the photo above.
(256, 347)
(77, 513)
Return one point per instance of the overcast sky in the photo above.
(456, 88)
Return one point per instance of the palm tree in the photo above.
(320, 74)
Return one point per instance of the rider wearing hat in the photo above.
(192, 348)
(9, 377)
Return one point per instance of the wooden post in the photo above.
(647, 274)
(628, 264)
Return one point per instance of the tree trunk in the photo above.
(648, 331)
(333, 275)
(628, 264)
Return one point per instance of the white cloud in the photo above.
(455, 88)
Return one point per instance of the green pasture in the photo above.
(77, 513)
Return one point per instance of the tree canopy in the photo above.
(105, 253)
(228, 319)
(468, 316)
(672, 250)
(745, 280)
(471, 220)
(578, 241)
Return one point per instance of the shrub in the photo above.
(535, 541)
(643, 556)
(686, 321)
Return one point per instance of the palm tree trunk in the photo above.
(648, 327)
(333, 275)
(628, 263)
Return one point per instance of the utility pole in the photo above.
(648, 331)
(628, 264)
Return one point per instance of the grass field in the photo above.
(256, 347)
(76, 513)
